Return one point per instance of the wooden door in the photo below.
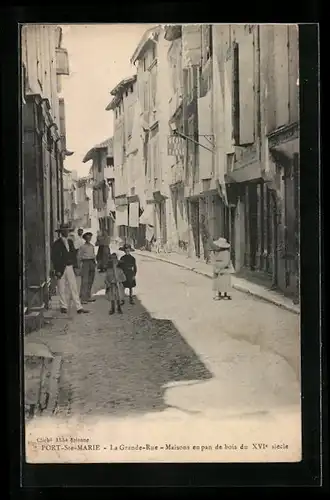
(195, 225)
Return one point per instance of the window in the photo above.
(243, 90)
(236, 95)
(154, 52)
(206, 42)
(131, 89)
(37, 30)
(153, 87)
(110, 161)
(116, 112)
(191, 82)
(99, 161)
(126, 93)
(146, 96)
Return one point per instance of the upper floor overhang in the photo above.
(150, 35)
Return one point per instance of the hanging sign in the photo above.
(175, 145)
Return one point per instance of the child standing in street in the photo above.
(128, 264)
(114, 284)
(222, 268)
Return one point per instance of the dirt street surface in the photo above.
(178, 369)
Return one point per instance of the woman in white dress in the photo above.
(222, 268)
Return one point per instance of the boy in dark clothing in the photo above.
(128, 264)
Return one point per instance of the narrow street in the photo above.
(175, 365)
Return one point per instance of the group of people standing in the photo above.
(75, 255)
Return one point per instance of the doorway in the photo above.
(162, 222)
(195, 226)
(253, 224)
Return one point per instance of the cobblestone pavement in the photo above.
(178, 356)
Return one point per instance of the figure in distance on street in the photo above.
(64, 259)
(128, 264)
(222, 268)
(114, 289)
(86, 264)
(103, 254)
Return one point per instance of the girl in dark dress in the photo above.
(128, 265)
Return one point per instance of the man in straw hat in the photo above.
(64, 259)
(222, 268)
(87, 264)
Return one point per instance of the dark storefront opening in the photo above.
(195, 225)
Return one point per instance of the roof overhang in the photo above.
(107, 144)
(122, 85)
(113, 104)
(149, 35)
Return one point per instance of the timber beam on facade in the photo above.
(283, 134)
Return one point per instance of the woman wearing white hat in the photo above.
(222, 268)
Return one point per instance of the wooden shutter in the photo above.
(293, 72)
(246, 89)
(153, 87)
(146, 96)
(281, 74)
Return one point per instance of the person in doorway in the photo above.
(114, 284)
(103, 253)
(222, 268)
(64, 258)
(128, 264)
(86, 264)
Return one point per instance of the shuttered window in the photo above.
(206, 42)
(281, 74)
(293, 72)
(156, 159)
(153, 87)
(37, 30)
(146, 96)
(150, 160)
(245, 100)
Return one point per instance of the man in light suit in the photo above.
(64, 259)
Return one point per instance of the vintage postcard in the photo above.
(161, 243)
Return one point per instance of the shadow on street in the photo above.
(122, 367)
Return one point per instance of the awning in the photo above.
(148, 215)
(133, 214)
(122, 215)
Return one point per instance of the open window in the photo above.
(110, 162)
